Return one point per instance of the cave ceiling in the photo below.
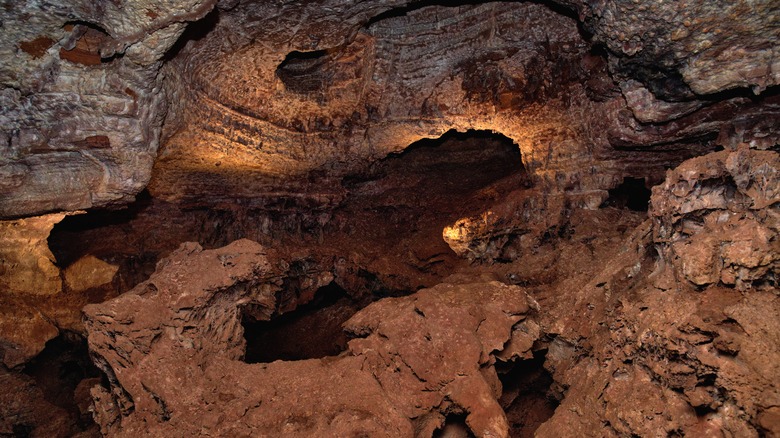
(257, 99)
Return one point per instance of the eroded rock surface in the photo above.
(717, 218)
(80, 102)
(281, 121)
(673, 352)
(415, 359)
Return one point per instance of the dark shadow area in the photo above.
(454, 427)
(304, 72)
(446, 178)
(66, 240)
(195, 31)
(64, 373)
(526, 398)
(632, 194)
(312, 330)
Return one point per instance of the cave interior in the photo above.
(393, 218)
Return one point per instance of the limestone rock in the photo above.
(700, 46)
(26, 263)
(80, 101)
(24, 331)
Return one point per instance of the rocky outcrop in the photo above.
(699, 46)
(27, 270)
(717, 218)
(38, 299)
(415, 359)
(678, 348)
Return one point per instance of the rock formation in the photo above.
(556, 218)
(414, 359)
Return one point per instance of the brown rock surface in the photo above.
(416, 358)
(717, 218)
(668, 355)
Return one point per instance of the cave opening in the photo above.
(434, 182)
(527, 396)
(302, 72)
(195, 31)
(64, 373)
(631, 194)
(313, 330)
(454, 427)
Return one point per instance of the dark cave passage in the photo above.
(527, 398)
(64, 373)
(454, 427)
(631, 194)
(312, 330)
(434, 182)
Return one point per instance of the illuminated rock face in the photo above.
(267, 98)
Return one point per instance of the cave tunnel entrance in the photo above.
(527, 396)
(396, 209)
(631, 194)
(434, 182)
(312, 330)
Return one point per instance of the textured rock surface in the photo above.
(80, 101)
(26, 263)
(267, 97)
(697, 46)
(667, 355)
(416, 358)
(260, 113)
(717, 218)
(274, 121)
(27, 270)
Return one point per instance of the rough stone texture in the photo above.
(27, 270)
(89, 272)
(717, 218)
(26, 263)
(695, 46)
(266, 97)
(667, 353)
(415, 358)
(269, 116)
(508, 229)
(80, 101)
(24, 331)
(252, 123)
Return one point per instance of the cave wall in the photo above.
(86, 92)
